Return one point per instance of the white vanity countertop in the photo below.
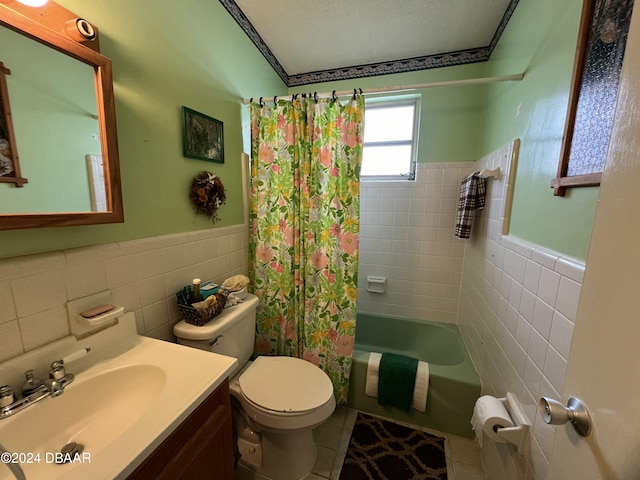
(183, 378)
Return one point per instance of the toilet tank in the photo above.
(231, 333)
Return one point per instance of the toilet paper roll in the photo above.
(489, 414)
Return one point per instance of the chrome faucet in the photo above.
(35, 390)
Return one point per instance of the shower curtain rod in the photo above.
(407, 88)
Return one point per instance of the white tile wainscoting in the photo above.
(517, 310)
(143, 275)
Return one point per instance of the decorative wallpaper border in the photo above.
(448, 59)
(237, 14)
(386, 68)
(503, 24)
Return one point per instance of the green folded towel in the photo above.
(396, 380)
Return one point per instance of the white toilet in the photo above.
(278, 400)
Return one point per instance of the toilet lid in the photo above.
(286, 384)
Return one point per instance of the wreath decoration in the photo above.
(207, 194)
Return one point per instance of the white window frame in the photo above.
(390, 102)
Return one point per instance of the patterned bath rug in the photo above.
(382, 450)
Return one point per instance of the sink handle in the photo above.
(76, 355)
(57, 371)
(31, 384)
(59, 376)
(7, 397)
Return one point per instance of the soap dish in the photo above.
(103, 318)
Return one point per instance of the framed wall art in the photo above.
(602, 39)
(203, 136)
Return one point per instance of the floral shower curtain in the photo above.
(304, 223)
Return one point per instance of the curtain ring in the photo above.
(275, 100)
(251, 100)
(360, 91)
(315, 96)
(355, 92)
(333, 96)
(261, 103)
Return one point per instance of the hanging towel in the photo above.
(472, 197)
(421, 381)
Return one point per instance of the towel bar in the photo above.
(488, 173)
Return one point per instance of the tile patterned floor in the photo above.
(332, 439)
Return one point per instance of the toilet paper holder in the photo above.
(519, 433)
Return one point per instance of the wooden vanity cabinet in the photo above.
(199, 448)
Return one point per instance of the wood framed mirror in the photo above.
(51, 32)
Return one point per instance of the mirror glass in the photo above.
(63, 115)
(55, 122)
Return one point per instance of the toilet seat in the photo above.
(285, 385)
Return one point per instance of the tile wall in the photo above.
(517, 310)
(143, 276)
(406, 235)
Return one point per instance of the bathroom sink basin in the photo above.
(92, 411)
(128, 395)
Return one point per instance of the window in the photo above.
(390, 139)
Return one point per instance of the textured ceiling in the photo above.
(310, 41)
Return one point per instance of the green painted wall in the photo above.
(165, 54)
(450, 117)
(540, 39)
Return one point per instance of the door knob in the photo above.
(554, 413)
